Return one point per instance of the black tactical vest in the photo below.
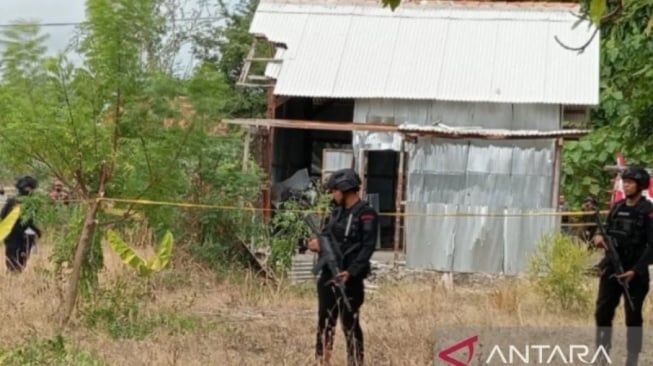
(627, 227)
(345, 227)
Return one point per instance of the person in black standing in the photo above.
(353, 228)
(19, 242)
(630, 223)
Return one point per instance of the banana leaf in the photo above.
(144, 267)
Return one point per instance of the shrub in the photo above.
(558, 270)
(120, 311)
(49, 352)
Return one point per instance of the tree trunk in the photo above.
(82, 245)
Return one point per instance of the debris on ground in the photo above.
(386, 271)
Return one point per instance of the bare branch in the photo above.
(69, 108)
(605, 19)
(147, 156)
(582, 48)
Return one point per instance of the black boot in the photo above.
(604, 337)
(632, 359)
(604, 360)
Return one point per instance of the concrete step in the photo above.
(302, 267)
(302, 278)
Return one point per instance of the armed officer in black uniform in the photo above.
(630, 223)
(20, 241)
(353, 228)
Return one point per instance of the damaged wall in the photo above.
(487, 115)
(470, 176)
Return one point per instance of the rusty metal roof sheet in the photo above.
(457, 51)
(442, 130)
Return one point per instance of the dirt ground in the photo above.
(201, 320)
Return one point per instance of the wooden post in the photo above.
(269, 156)
(248, 139)
(557, 165)
(362, 170)
(398, 202)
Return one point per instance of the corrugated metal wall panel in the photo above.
(488, 173)
(522, 235)
(541, 117)
(478, 242)
(455, 114)
(470, 176)
(435, 251)
(473, 244)
(477, 177)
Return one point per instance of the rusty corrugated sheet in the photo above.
(443, 130)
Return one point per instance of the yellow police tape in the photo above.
(391, 214)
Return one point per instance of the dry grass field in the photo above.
(186, 316)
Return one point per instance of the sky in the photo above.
(66, 11)
(46, 11)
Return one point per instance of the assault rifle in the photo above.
(613, 255)
(328, 256)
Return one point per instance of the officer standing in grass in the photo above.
(630, 223)
(21, 239)
(353, 226)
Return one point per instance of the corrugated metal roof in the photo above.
(446, 51)
(487, 133)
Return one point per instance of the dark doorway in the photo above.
(381, 179)
(296, 149)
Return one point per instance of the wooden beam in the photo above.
(479, 134)
(311, 125)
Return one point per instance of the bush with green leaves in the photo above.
(559, 268)
(289, 226)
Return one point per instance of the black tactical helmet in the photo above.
(591, 199)
(344, 180)
(26, 182)
(639, 175)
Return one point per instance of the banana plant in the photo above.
(8, 222)
(145, 268)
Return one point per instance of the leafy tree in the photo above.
(226, 47)
(624, 120)
(119, 125)
(98, 141)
